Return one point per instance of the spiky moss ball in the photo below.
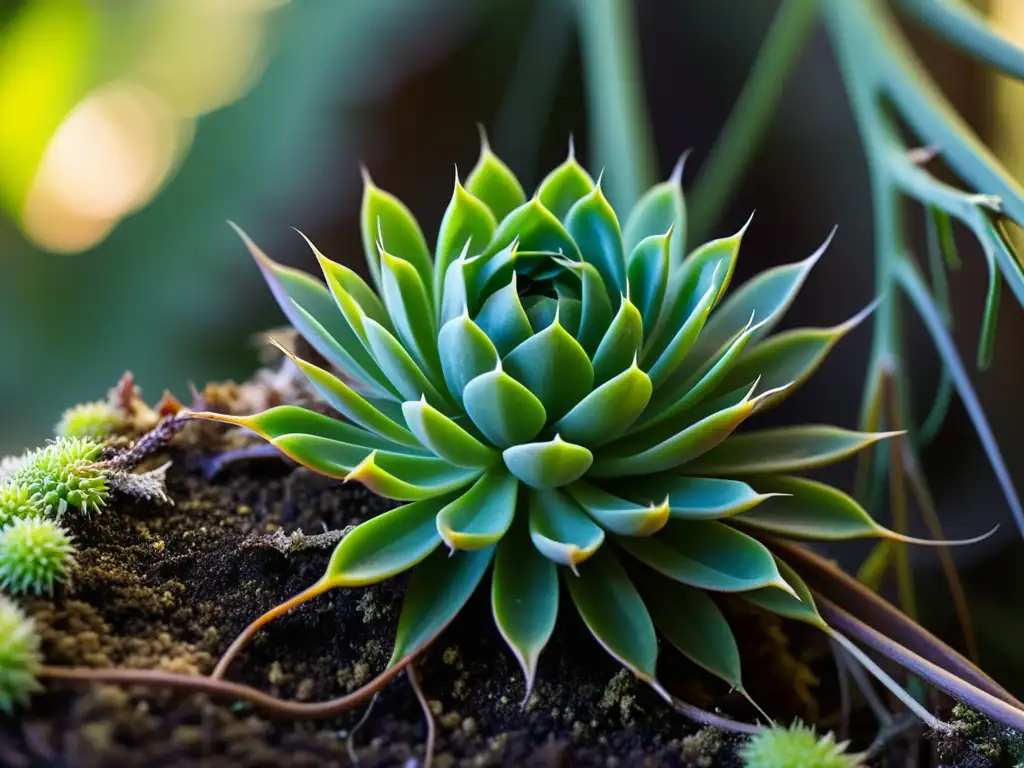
(20, 657)
(90, 420)
(64, 473)
(797, 747)
(16, 501)
(35, 553)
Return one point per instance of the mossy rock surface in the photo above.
(161, 586)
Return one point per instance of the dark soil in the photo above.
(161, 586)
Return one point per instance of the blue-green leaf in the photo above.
(679, 341)
(660, 208)
(608, 411)
(596, 311)
(524, 599)
(593, 226)
(536, 229)
(343, 281)
(798, 605)
(445, 438)
(554, 367)
(550, 464)
(689, 619)
(566, 184)
(503, 409)
(403, 372)
(617, 515)
(696, 498)
(707, 555)
(614, 612)
(437, 591)
(504, 320)
(386, 223)
(621, 343)
(412, 313)
(560, 530)
(492, 182)
(647, 273)
(784, 449)
(766, 297)
(466, 352)
(481, 515)
(466, 227)
(387, 544)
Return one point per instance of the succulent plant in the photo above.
(16, 501)
(35, 553)
(94, 420)
(63, 473)
(554, 393)
(20, 658)
(797, 747)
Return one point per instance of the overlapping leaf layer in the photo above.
(554, 392)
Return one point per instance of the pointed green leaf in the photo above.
(466, 353)
(596, 311)
(550, 464)
(621, 343)
(490, 271)
(524, 599)
(696, 498)
(350, 403)
(670, 445)
(689, 619)
(385, 221)
(707, 555)
(503, 409)
(504, 320)
(466, 220)
(660, 208)
(536, 229)
(412, 312)
(647, 272)
(679, 342)
(455, 290)
(788, 359)
(438, 589)
(554, 367)
(481, 515)
(403, 372)
(392, 475)
(619, 515)
(767, 297)
(614, 612)
(387, 544)
(540, 311)
(311, 309)
(560, 530)
(445, 438)
(799, 606)
(492, 182)
(342, 280)
(566, 184)
(679, 395)
(292, 419)
(593, 226)
(785, 449)
(608, 411)
(710, 264)
(809, 510)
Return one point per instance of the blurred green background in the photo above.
(130, 131)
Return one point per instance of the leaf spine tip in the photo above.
(485, 144)
(676, 177)
(572, 147)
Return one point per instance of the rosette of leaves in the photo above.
(554, 393)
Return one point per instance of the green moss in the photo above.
(20, 658)
(990, 739)
(95, 420)
(16, 502)
(796, 747)
(64, 473)
(35, 553)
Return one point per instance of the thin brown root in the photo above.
(414, 681)
(224, 689)
(236, 647)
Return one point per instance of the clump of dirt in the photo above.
(169, 586)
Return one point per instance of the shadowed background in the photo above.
(129, 133)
